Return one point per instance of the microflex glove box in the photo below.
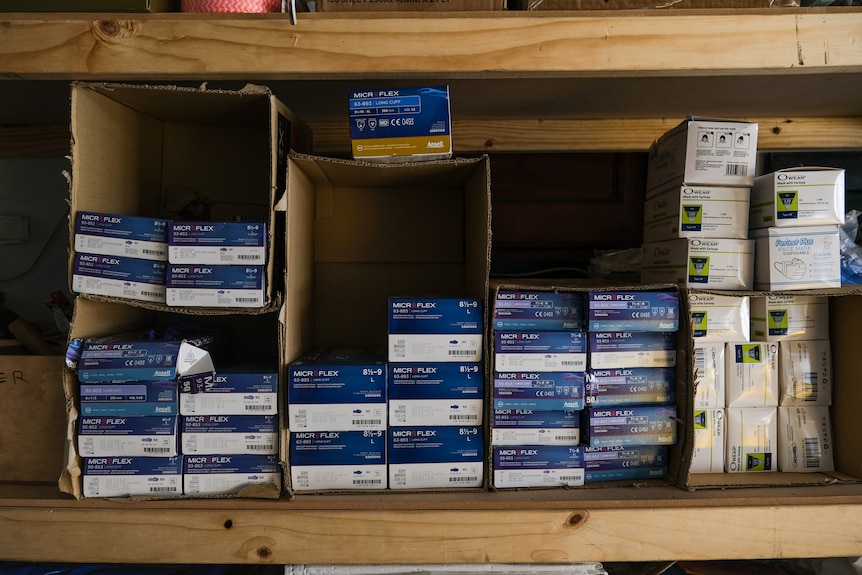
(717, 317)
(796, 197)
(541, 391)
(630, 425)
(632, 311)
(709, 378)
(228, 474)
(805, 439)
(540, 351)
(124, 277)
(516, 309)
(435, 457)
(233, 390)
(616, 463)
(752, 439)
(435, 329)
(780, 317)
(229, 434)
(615, 350)
(751, 374)
(132, 476)
(147, 356)
(805, 373)
(630, 386)
(401, 124)
(797, 258)
(704, 263)
(697, 212)
(215, 286)
(217, 243)
(429, 394)
(708, 453)
(143, 436)
(129, 398)
(535, 427)
(703, 151)
(326, 460)
(538, 466)
(338, 389)
(121, 235)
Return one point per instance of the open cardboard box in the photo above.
(359, 232)
(183, 153)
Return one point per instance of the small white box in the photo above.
(706, 263)
(717, 317)
(697, 212)
(805, 373)
(751, 374)
(805, 439)
(779, 317)
(709, 375)
(708, 452)
(752, 438)
(796, 197)
(797, 258)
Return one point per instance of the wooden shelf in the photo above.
(520, 82)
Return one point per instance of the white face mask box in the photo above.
(805, 439)
(797, 258)
(697, 212)
(703, 263)
(751, 374)
(438, 393)
(435, 457)
(708, 452)
(717, 317)
(541, 391)
(703, 151)
(797, 197)
(752, 439)
(805, 373)
(535, 427)
(538, 466)
(121, 235)
(709, 364)
(229, 474)
(340, 460)
(780, 317)
(229, 434)
(133, 476)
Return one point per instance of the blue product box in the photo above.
(545, 391)
(631, 386)
(132, 476)
(433, 329)
(217, 243)
(614, 350)
(530, 418)
(120, 235)
(143, 436)
(538, 466)
(234, 389)
(326, 460)
(540, 351)
(148, 356)
(636, 462)
(337, 389)
(441, 393)
(229, 474)
(633, 311)
(630, 425)
(435, 457)
(129, 398)
(115, 276)
(215, 286)
(516, 309)
(401, 124)
(535, 427)
(229, 434)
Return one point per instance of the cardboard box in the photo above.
(90, 6)
(183, 153)
(641, 4)
(409, 5)
(697, 212)
(796, 197)
(703, 152)
(797, 258)
(435, 457)
(32, 418)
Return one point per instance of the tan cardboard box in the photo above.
(409, 5)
